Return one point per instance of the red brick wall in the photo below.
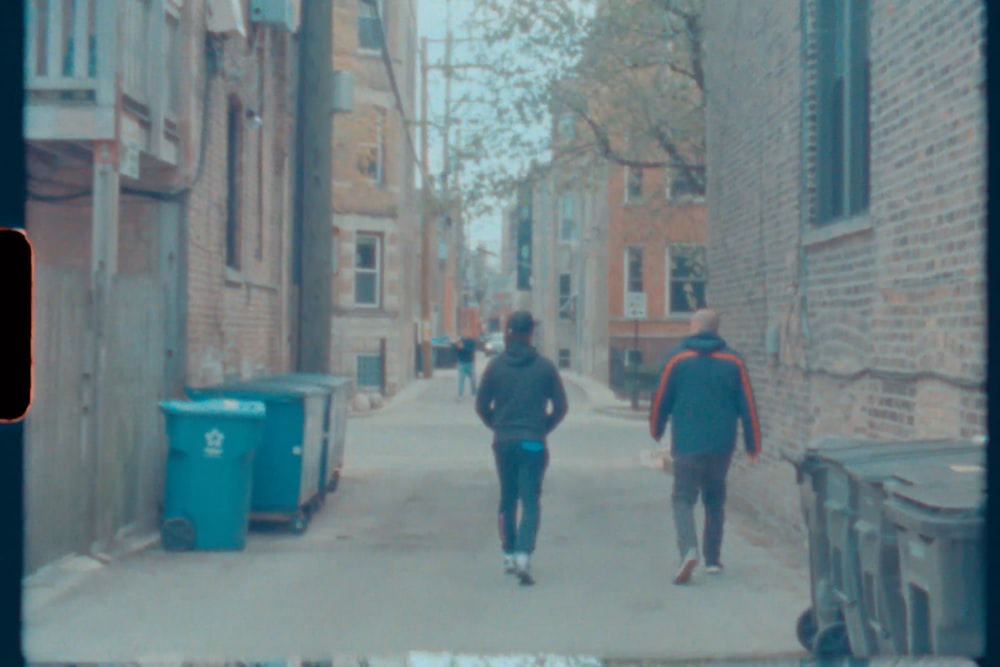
(900, 298)
(653, 223)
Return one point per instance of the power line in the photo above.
(387, 61)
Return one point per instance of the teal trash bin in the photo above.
(939, 516)
(287, 465)
(851, 481)
(335, 423)
(209, 472)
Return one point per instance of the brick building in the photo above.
(846, 219)
(376, 212)
(656, 254)
(160, 211)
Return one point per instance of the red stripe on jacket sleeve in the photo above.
(654, 414)
(748, 393)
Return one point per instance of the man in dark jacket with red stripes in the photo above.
(705, 388)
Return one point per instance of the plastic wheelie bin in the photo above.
(335, 423)
(849, 478)
(820, 628)
(939, 516)
(287, 466)
(209, 473)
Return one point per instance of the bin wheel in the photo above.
(805, 629)
(299, 523)
(832, 642)
(177, 534)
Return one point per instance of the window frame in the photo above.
(843, 112)
(670, 310)
(376, 271)
(365, 14)
(568, 362)
(565, 296)
(631, 198)
(628, 268)
(567, 232)
(235, 177)
(378, 146)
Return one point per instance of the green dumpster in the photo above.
(335, 423)
(209, 473)
(939, 516)
(287, 466)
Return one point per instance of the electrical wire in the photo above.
(387, 61)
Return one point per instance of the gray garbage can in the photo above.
(941, 553)
(851, 482)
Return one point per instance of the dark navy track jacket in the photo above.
(705, 389)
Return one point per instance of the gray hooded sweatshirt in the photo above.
(515, 392)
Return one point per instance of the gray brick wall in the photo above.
(894, 302)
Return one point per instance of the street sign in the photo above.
(635, 305)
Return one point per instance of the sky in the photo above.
(432, 23)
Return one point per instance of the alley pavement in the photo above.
(405, 557)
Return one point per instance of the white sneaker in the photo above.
(509, 566)
(688, 564)
(714, 569)
(523, 564)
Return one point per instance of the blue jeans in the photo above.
(520, 467)
(466, 371)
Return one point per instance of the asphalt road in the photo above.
(405, 557)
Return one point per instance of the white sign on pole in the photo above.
(635, 305)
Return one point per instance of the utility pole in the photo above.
(315, 212)
(426, 352)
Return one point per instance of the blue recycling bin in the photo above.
(209, 473)
(287, 466)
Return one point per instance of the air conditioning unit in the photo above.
(225, 17)
(282, 14)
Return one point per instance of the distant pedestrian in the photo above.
(705, 387)
(518, 388)
(465, 354)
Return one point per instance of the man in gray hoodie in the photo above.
(513, 401)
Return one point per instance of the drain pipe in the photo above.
(803, 199)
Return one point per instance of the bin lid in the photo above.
(964, 494)
(913, 464)
(258, 390)
(331, 381)
(216, 407)
(840, 449)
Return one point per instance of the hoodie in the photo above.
(515, 392)
(705, 388)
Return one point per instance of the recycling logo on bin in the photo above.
(213, 443)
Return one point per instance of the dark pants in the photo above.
(705, 473)
(520, 472)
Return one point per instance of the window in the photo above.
(565, 297)
(564, 358)
(368, 271)
(369, 371)
(371, 159)
(633, 269)
(686, 277)
(633, 184)
(567, 217)
(633, 358)
(234, 184)
(370, 24)
(687, 184)
(842, 44)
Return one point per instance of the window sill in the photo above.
(234, 277)
(817, 235)
(369, 53)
